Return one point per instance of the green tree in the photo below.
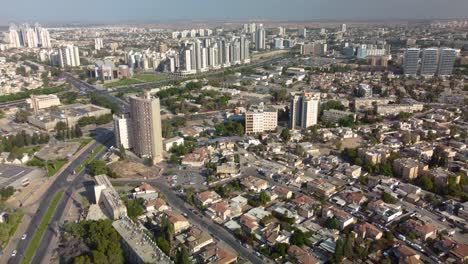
(332, 223)
(285, 134)
(264, 197)
(182, 256)
(135, 208)
(164, 245)
(425, 183)
(386, 197)
(339, 251)
(6, 192)
(22, 116)
(97, 167)
(298, 238)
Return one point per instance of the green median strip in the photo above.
(88, 159)
(34, 244)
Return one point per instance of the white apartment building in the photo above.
(304, 109)
(260, 119)
(122, 129)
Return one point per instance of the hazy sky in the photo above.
(89, 11)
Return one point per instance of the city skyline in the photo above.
(295, 10)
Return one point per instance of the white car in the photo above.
(13, 253)
(24, 236)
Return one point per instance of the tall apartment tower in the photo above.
(411, 60)
(343, 28)
(98, 44)
(260, 119)
(69, 56)
(260, 38)
(146, 127)
(303, 32)
(447, 58)
(304, 110)
(429, 61)
(122, 130)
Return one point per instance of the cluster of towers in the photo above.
(201, 55)
(28, 37)
(429, 62)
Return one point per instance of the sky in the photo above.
(114, 11)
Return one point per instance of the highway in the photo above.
(13, 103)
(59, 183)
(206, 224)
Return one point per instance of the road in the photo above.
(52, 231)
(207, 224)
(59, 183)
(13, 103)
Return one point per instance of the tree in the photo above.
(280, 95)
(164, 245)
(123, 153)
(332, 223)
(298, 238)
(7, 192)
(387, 198)
(264, 197)
(339, 250)
(280, 249)
(22, 116)
(285, 134)
(426, 183)
(97, 167)
(135, 207)
(182, 256)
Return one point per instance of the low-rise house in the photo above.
(142, 190)
(406, 255)
(249, 224)
(158, 205)
(321, 187)
(282, 192)
(367, 230)
(343, 217)
(197, 158)
(206, 198)
(214, 254)
(423, 230)
(457, 250)
(221, 210)
(179, 222)
(302, 255)
(353, 171)
(197, 239)
(254, 184)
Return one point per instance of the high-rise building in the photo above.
(429, 61)
(303, 32)
(343, 28)
(26, 36)
(278, 43)
(447, 58)
(68, 56)
(122, 130)
(260, 119)
(98, 44)
(304, 109)
(281, 31)
(146, 135)
(411, 61)
(260, 38)
(14, 37)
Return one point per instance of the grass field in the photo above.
(55, 166)
(31, 250)
(83, 141)
(136, 79)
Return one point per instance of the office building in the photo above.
(304, 109)
(260, 38)
(447, 58)
(122, 130)
(146, 132)
(98, 44)
(278, 43)
(260, 119)
(429, 61)
(411, 61)
(38, 102)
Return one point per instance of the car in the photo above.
(184, 214)
(24, 236)
(14, 253)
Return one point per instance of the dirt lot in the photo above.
(128, 169)
(58, 151)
